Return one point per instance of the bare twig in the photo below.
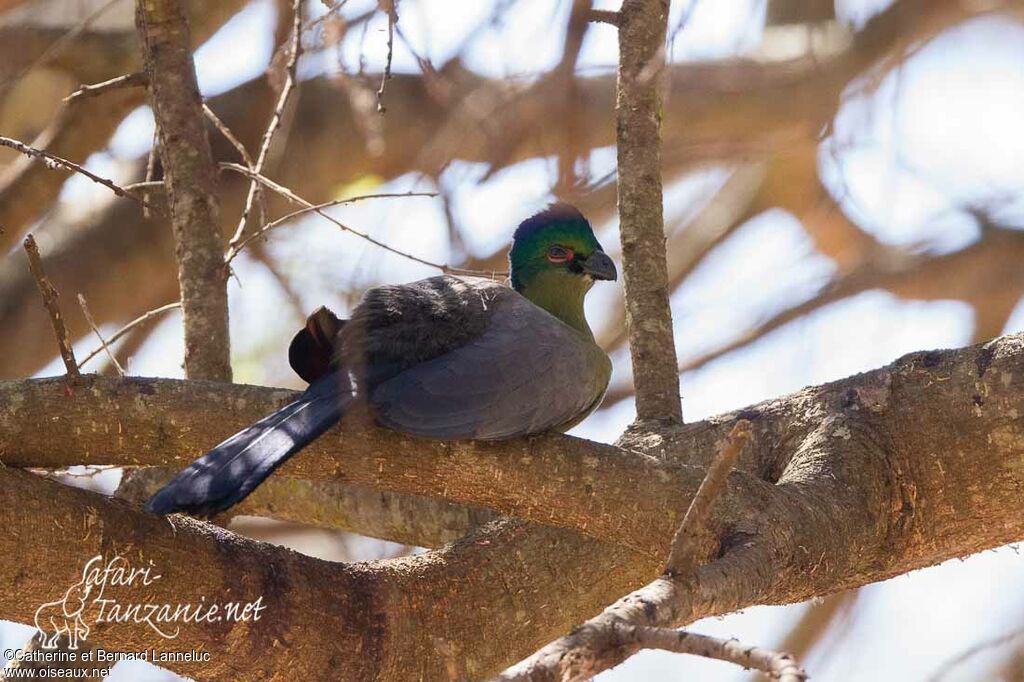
(96, 330)
(50, 296)
(316, 208)
(228, 135)
(275, 121)
(140, 320)
(347, 23)
(131, 80)
(778, 665)
(292, 196)
(391, 8)
(332, 9)
(686, 544)
(154, 150)
(60, 44)
(603, 16)
(147, 186)
(56, 162)
(967, 654)
(242, 151)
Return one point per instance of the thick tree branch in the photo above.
(570, 482)
(874, 475)
(561, 480)
(407, 519)
(603, 641)
(389, 612)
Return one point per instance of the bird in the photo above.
(448, 357)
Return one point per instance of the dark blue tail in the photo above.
(225, 475)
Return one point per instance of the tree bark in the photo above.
(414, 520)
(846, 483)
(191, 181)
(638, 109)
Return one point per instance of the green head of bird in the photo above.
(555, 259)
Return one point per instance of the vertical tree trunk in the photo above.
(642, 26)
(191, 181)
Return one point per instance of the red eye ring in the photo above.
(560, 254)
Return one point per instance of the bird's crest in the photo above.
(556, 213)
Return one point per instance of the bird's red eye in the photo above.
(559, 254)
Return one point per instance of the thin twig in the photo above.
(147, 186)
(290, 195)
(243, 152)
(275, 120)
(228, 135)
(974, 650)
(778, 665)
(154, 150)
(684, 20)
(61, 43)
(50, 296)
(56, 162)
(391, 7)
(141, 319)
(131, 80)
(96, 331)
(603, 16)
(315, 208)
(685, 552)
(331, 11)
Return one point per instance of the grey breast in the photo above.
(527, 372)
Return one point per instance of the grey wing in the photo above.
(527, 373)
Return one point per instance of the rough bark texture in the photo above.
(642, 26)
(845, 484)
(191, 181)
(412, 520)
(558, 479)
(382, 618)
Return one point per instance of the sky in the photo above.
(939, 134)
